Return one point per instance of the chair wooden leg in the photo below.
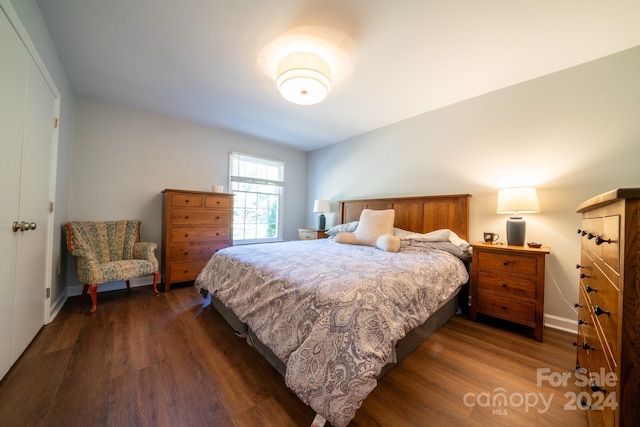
(93, 290)
(156, 275)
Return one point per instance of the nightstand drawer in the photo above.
(307, 235)
(508, 309)
(507, 285)
(508, 262)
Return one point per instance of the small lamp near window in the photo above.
(516, 201)
(321, 206)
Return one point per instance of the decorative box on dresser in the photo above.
(195, 225)
(508, 282)
(609, 309)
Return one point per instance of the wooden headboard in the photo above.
(418, 214)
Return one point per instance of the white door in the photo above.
(26, 113)
(32, 265)
(13, 83)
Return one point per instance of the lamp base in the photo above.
(516, 230)
(321, 222)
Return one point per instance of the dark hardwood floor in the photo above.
(171, 360)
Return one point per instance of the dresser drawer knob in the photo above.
(584, 346)
(600, 240)
(600, 311)
(186, 253)
(596, 388)
(582, 322)
(217, 217)
(186, 217)
(217, 202)
(504, 307)
(584, 276)
(576, 305)
(582, 232)
(186, 235)
(506, 263)
(504, 285)
(578, 266)
(590, 289)
(590, 236)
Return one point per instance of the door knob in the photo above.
(23, 226)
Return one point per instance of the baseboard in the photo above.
(56, 306)
(561, 323)
(113, 286)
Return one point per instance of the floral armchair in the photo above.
(108, 251)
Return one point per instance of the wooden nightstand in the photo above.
(311, 234)
(508, 282)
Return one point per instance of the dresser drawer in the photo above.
(192, 251)
(192, 200)
(602, 326)
(219, 202)
(508, 262)
(199, 234)
(508, 309)
(507, 285)
(199, 217)
(187, 270)
(611, 251)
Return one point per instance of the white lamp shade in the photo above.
(518, 200)
(321, 206)
(304, 78)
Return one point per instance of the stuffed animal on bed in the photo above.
(375, 228)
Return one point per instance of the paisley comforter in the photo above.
(331, 312)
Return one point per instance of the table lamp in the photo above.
(516, 201)
(321, 206)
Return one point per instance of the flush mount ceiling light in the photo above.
(303, 78)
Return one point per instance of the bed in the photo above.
(333, 318)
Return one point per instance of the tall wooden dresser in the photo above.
(608, 344)
(195, 225)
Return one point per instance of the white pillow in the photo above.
(443, 235)
(388, 242)
(373, 224)
(349, 226)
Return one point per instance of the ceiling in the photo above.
(212, 61)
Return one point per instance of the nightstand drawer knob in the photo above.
(504, 307)
(504, 285)
(505, 263)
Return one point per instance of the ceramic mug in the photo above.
(491, 237)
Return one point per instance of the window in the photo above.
(257, 206)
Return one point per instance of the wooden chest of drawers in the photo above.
(508, 282)
(608, 345)
(195, 225)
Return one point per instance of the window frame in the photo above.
(261, 181)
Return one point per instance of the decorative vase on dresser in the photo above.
(608, 344)
(195, 225)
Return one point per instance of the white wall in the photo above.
(123, 158)
(573, 134)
